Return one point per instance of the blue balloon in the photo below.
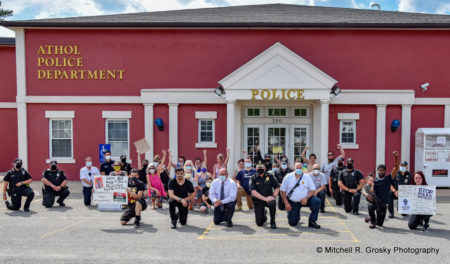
(394, 125)
(159, 123)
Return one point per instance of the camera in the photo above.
(424, 87)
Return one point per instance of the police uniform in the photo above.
(265, 186)
(13, 177)
(107, 167)
(48, 194)
(126, 167)
(351, 180)
(279, 175)
(399, 180)
(334, 175)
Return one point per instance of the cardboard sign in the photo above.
(110, 189)
(417, 199)
(142, 146)
(277, 149)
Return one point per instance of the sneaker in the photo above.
(136, 224)
(173, 225)
(62, 204)
(26, 209)
(425, 228)
(355, 213)
(313, 225)
(230, 224)
(273, 225)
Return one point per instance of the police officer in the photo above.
(333, 181)
(124, 165)
(351, 181)
(403, 177)
(107, 166)
(264, 188)
(18, 180)
(267, 162)
(54, 181)
(279, 175)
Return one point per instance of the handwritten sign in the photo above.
(417, 199)
(110, 189)
(142, 146)
(277, 149)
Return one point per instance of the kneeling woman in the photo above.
(155, 187)
(419, 221)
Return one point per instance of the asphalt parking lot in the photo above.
(78, 234)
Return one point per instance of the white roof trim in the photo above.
(59, 114)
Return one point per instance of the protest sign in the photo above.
(142, 146)
(110, 189)
(417, 199)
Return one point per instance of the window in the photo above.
(61, 138)
(253, 112)
(206, 131)
(276, 112)
(117, 134)
(301, 112)
(348, 132)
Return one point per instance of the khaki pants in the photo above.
(241, 192)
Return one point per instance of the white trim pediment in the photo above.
(277, 68)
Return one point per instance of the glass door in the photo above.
(253, 137)
(300, 139)
(277, 139)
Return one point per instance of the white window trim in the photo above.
(59, 159)
(308, 112)
(116, 114)
(128, 128)
(260, 111)
(212, 144)
(347, 145)
(348, 116)
(60, 114)
(276, 107)
(205, 115)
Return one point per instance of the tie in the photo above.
(222, 194)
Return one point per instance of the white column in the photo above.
(22, 136)
(381, 134)
(173, 130)
(231, 105)
(148, 122)
(406, 133)
(324, 118)
(315, 138)
(237, 149)
(447, 116)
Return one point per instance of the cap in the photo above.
(260, 165)
(267, 155)
(17, 160)
(350, 160)
(123, 156)
(53, 162)
(341, 159)
(404, 163)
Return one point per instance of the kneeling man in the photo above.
(223, 195)
(136, 202)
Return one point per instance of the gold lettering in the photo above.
(265, 94)
(111, 74)
(65, 75)
(82, 74)
(73, 74)
(121, 72)
(49, 62)
(41, 50)
(102, 75)
(254, 93)
(71, 62)
(289, 94)
(41, 74)
(57, 74)
(275, 95)
(283, 94)
(40, 61)
(80, 62)
(49, 74)
(76, 52)
(300, 94)
(58, 49)
(68, 50)
(49, 49)
(92, 75)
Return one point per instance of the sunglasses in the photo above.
(330, 155)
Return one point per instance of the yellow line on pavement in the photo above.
(334, 210)
(69, 226)
(206, 231)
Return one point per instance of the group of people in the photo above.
(256, 178)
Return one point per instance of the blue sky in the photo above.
(35, 9)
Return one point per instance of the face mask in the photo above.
(133, 181)
(316, 171)
(145, 166)
(116, 168)
(284, 166)
(349, 166)
(18, 165)
(188, 176)
(107, 157)
(299, 172)
(267, 160)
(402, 169)
(204, 170)
(208, 184)
(188, 167)
(247, 164)
(152, 170)
(222, 177)
(260, 171)
(124, 160)
(53, 167)
(274, 169)
(340, 164)
(88, 163)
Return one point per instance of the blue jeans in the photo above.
(87, 192)
(294, 214)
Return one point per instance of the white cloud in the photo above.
(443, 9)
(6, 33)
(407, 6)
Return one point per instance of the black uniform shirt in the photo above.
(280, 174)
(350, 178)
(264, 185)
(402, 179)
(126, 167)
(55, 177)
(334, 174)
(107, 167)
(15, 176)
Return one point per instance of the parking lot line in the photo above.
(206, 231)
(340, 219)
(69, 226)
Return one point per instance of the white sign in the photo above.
(110, 189)
(417, 199)
(441, 141)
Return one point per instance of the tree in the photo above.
(4, 12)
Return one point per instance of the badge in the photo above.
(303, 182)
(267, 178)
(406, 181)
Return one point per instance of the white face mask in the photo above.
(316, 171)
(152, 170)
(188, 176)
(402, 168)
(208, 184)
(88, 163)
(107, 157)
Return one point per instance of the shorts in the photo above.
(130, 212)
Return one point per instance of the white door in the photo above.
(299, 140)
(277, 139)
(253, 137)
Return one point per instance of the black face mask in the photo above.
(18, 165)
(349, 166)
(145, 166)
(124, 160)
(340, 164)
(53, 167)
(133, 180)
(260, 171)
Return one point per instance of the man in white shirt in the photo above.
(223, 195)
(328, 166)
(87, 175)
(320, 182)
(297, 190)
